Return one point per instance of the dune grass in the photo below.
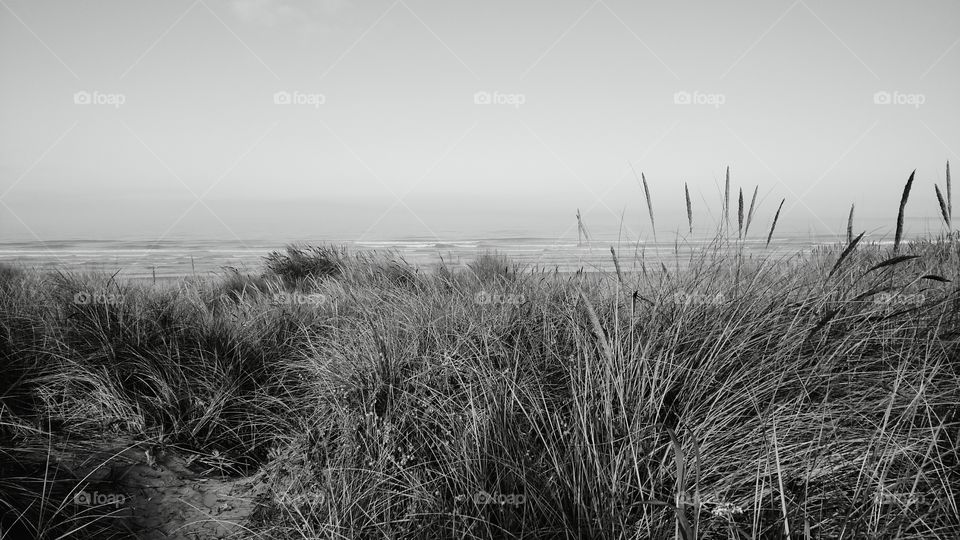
(814, 396)
(738, 398)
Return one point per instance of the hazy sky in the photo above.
(474, 115)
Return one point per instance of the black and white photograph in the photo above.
(430, 269)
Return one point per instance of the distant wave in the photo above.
(86, 251)
(177, 258)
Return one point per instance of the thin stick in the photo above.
(581, 231)
(686, 192)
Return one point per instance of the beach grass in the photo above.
(352, 395)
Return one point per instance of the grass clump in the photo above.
(297, 263)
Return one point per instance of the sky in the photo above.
(379, 119)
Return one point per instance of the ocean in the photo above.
(174, 258)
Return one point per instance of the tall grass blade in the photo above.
(850, 226)
(616, 264)
(686, 192)
(753, 202)
(892, 261)
(783, 499)
(646, 194)
(740, 215)
(943, 206)
(680, 497)
(726, 199)
(845, 253)
(598, 329)
(774, 224)
(949, 194)
(903, 204)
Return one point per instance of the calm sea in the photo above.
(166, 259)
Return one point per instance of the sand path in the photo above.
(162, 498)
